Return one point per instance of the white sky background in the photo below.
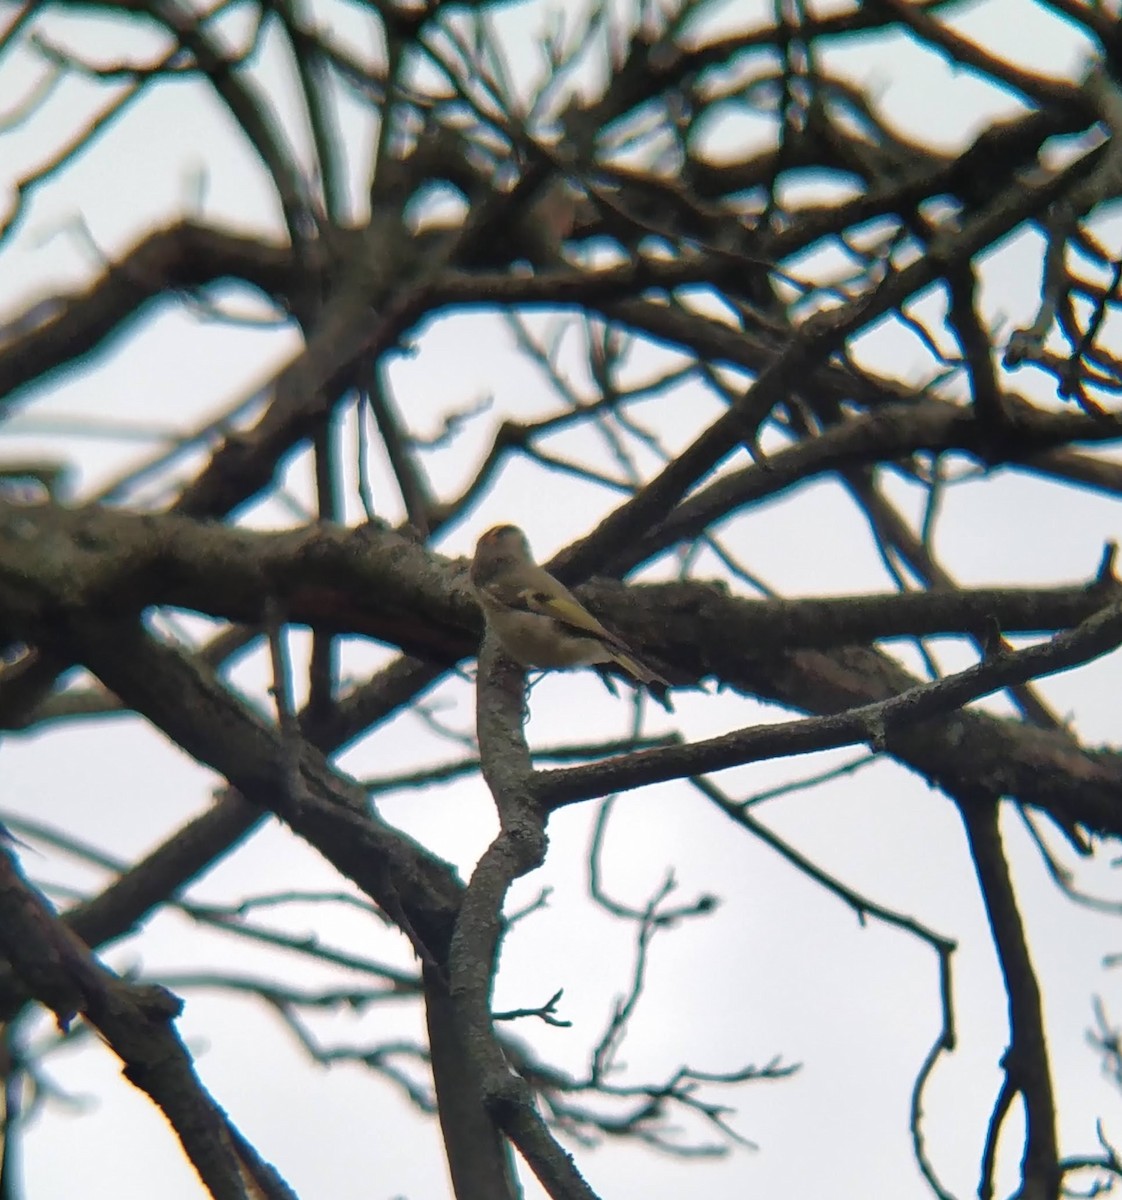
(781, 968)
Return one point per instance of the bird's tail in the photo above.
(658, 687)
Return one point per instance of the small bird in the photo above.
(538, 621)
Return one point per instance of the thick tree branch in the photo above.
(903, 725)
(136, 1021)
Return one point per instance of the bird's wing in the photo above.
(560, 604)
(548, 597)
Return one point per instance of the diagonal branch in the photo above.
(891, 723)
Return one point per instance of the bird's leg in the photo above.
(606, 678)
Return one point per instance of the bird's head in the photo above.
(499, 547)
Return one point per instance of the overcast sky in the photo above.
(782, 968)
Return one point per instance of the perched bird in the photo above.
(538, 621)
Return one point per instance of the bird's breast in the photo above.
(536, 640)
